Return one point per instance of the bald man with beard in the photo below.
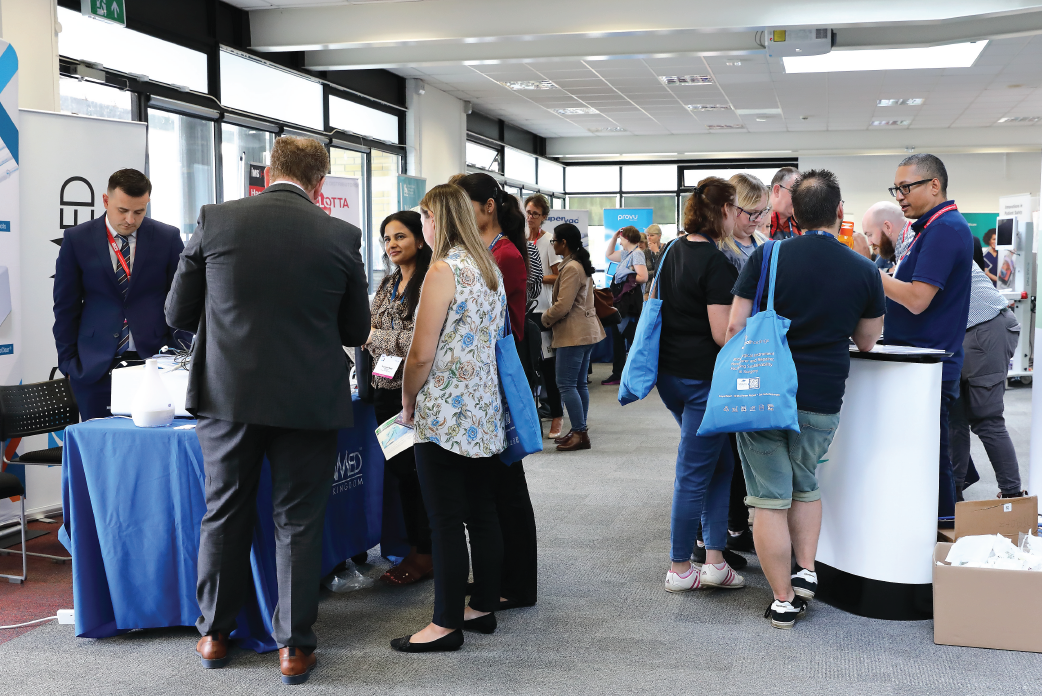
(887, 229)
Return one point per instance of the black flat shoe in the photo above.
(505, 604)
(482, 624)
(447, 643)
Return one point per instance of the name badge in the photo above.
(387, 366)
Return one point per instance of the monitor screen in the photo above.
(1004, 232)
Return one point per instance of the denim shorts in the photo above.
(779, 465)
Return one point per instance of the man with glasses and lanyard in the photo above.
(782, 224)
(928, 297)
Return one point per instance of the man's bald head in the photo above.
(882, 223)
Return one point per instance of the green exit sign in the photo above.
(107, 10)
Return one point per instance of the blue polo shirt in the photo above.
(941, 256)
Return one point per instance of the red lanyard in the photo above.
(119, 256)
(939, 213)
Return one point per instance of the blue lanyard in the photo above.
(495, 241)
(818, 232)
(394, 296)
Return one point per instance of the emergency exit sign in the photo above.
(107, 10)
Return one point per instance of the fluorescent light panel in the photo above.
(1020, 119)
(891, 123)
(529, 84)
(708, 107)
(676, 80)
(961, 55)
(900, 102)
(574, 111)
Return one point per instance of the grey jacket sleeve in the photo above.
(184, 303)
(353, 317)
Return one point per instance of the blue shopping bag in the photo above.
(524, 435)
(754, 380)
(641, 370)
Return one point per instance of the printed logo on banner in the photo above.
(348, 472)
(5, 226)
(7, 349)
(254, 179)
(79, 187)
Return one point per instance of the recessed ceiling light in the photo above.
(725, 126)
(761, 119)
(677, 80)
(529, 84)
(1020, 119)
(960, 55)
(890, 123)
(733, 63)
(708, 107)
(612, 129)
(900, 102)
(574, 111)
(758, 112)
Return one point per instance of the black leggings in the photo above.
(618, 347)
(387, 403)
(517, 522)
(458, 492)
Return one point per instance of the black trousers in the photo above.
(402, 467)
(302, 464)
(618, 345)
(458, 493)
(517, 523)
(548, 371)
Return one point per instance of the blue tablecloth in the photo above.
(133, 501)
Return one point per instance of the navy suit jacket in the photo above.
(89, 307)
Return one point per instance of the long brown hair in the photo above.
(704, 212)
(455, 225)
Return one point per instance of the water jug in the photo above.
(152, 405)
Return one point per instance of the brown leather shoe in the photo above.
(213, 651)
(563, 438)
(296, 666)
(575, 441)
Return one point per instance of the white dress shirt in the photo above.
(132, 240)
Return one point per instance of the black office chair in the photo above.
(11, 486)
(36, 409)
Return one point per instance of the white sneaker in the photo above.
(805, 583)
(721, 577)
(678, 583)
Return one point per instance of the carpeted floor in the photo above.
(603, 624)
(49, 584)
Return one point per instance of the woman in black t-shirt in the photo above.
(695, 281)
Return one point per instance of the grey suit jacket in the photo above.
(273, 288)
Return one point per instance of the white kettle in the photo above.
(152, 405)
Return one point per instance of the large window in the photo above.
(594, 179)
(344, 162)
(482, 157)
(649, 177)
(551, 175)
(665, 207)
(130, 52)
(598, 237)
(241, 147)
(181, 167)
(91, 99)
(356, 118)
(258, 88)
(519, 166)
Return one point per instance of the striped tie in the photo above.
(124, 284)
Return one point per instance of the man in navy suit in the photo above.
(110, 284)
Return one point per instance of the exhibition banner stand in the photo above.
(11, 346)
(579, 218)
(411, 190)
(614, 220)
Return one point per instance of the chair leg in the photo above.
(25, 565)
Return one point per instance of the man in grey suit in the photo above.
(274, 288)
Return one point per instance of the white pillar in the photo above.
(31, 26)
(1035, 457)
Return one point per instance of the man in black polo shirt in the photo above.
(830, 294)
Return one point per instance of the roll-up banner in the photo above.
(12, 347)
(254, 179)
(614, 220)
(66, 164)
(411, 190)
(579, 218)
(341, 198)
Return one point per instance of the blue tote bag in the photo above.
(524, 435)
(641, 370)
(754, 380)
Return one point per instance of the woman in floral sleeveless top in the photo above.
(451, 395)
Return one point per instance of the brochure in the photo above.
(394, 436)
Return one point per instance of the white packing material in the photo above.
(996, 551)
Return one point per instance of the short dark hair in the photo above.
(131, 182)
(782, 174)
(929, 167)
(815, 198)
(630, 233)
(988, 236)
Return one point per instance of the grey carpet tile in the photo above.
(604, 623)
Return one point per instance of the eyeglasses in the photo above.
(905, 189)
(758, 215)
(785, 187)
(533, 213)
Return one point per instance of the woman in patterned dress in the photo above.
(451, 395)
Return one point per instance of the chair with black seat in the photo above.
(11, 486)
(36, 409)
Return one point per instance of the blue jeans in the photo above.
(702, 487)
(572, 364)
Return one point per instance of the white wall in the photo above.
(975, 181)
(436, 137)
(31, 27)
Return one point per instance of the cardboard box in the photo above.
(1006, 516)
(986, 607)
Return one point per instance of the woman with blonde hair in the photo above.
(751, 202)
(451, 395)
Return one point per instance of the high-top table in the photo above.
(133, 501)
(879, 487)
